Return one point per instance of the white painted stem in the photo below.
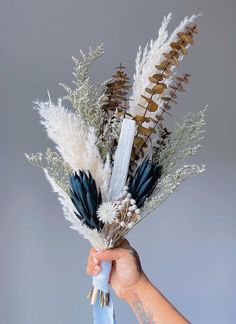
(122, 159)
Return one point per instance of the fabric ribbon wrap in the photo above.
(103, 311)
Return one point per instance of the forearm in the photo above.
(150, 306)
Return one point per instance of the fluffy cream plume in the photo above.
(76, 144)
(150, 56)
(96, 239)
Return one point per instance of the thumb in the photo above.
(111, 254)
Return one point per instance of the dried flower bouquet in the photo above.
(115, 159)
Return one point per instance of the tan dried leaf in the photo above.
(141, 119)
(168, 72)
(149, 90)
(185, 37)
(174, 53)
(183, 50)
(165, 76)
(155, 78)
(167, 55)
(138, 141)
(144, 131)
(159, 67)
(175, 45)
(133, 154)
(159, 88)
(146, 98)
(152, 106)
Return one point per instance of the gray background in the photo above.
(187, 246)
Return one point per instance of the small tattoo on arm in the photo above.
(143, 316)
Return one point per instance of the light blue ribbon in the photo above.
(103, 315)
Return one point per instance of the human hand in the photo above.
(126, 272)
(131, 284)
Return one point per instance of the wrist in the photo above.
(138, 288)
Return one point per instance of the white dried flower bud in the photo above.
(133, 207)
(131, 224)
(126, 188)
(122, 224)
(137, 211)
(129, 195)
(123, 202)
(127, 200)
(125, 193)
(133, 202)
(120, 207)
(129, 214)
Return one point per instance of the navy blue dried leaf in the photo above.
(86, 198)
(144, 181)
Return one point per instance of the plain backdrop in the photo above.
(187, 246)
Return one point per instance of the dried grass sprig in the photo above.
(168, 98)
(150, 56)
(153, 112)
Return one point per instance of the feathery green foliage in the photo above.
(84, 96)
(169, 184)
(183, 142)
(56, 167)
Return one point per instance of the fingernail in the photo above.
(95, 260)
